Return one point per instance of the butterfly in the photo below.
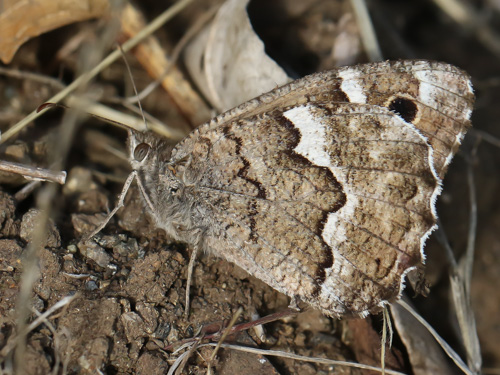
(323, 188)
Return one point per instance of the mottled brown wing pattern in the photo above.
(436, 98)
(324, 188)
(440, 100)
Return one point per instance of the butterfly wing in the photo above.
(324, 188)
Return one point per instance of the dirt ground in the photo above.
(128, 287)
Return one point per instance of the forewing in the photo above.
(436, 98)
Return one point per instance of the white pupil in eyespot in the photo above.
(141, 151)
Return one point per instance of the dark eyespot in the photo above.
(141, 151)
(405, 108)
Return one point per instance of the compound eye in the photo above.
(141, 151)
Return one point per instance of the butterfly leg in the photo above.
(192, 259)
(119, 205)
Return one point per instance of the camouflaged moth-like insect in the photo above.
(323, 188)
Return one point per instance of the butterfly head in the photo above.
(148, 150)
(160, 182)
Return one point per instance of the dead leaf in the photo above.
(25, 19)
(228, 62)
(426, 357)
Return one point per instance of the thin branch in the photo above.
(34, 173)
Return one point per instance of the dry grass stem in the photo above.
(367, 32)
(83, 79)
(324, 361)
(33, 173)
(154, 59)
(446, 347)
